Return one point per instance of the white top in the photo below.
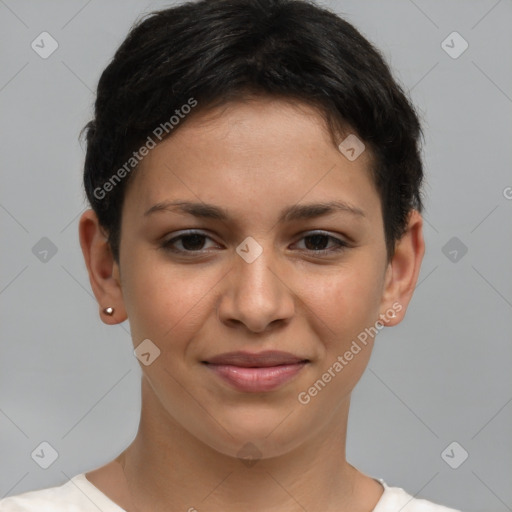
(80, 495)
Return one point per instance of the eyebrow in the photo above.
(288, 214)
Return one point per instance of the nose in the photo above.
(255, 294)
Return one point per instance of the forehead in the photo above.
(260, 155)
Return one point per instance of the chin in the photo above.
(257, 435)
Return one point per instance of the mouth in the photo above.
(256, 372)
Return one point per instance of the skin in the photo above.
(252, 158)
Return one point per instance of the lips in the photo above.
(256, 372)
(253, 360)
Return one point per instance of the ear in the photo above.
(402, 271)
(104, 274)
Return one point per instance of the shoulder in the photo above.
(396, 498)
(76, 495)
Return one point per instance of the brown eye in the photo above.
(190, 242)
(317, 243)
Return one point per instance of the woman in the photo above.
(255, 181)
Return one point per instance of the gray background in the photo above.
(443, 375)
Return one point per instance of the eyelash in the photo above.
(341, 244)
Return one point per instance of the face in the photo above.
(249, 268)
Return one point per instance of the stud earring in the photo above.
(108, 311)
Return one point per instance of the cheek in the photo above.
(165, 302)
(346, 302)
(346, 307)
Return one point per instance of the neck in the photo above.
(166, 468)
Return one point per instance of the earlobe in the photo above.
(403, 271)
(102, 269)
